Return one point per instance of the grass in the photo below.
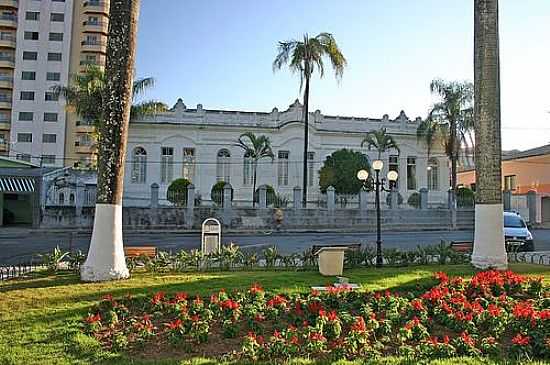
(39, 316)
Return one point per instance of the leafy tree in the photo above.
(303, 57)
(340, 171)
(177, 192)
(465, 197)
(380, 141)
(105, 260)
(450, 121)
(255, 148)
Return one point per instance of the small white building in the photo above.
(199, 144)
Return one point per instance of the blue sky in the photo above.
(219, 53)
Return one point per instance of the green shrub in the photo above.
(270, 195)
(399, 199)
(217, 192)
(177, 192)
(414, 200)
(465, 197)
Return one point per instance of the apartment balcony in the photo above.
(94, 46)
(84, 64)
(7, 40)
(94, 6)
(5, 125)
(6, 82)
(5, 103)
(96, 27)
(84, 127)
(14, 4)
(7, 62)
(86, 148)
(8, 20)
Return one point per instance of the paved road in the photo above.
(16, 247)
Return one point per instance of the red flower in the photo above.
(230, 304)
(359, 325)
(332, 316)
(197, 300)
(316, 336)
(544, 314)
(294, 340)
(417, 305)
(259, 317)
(108, 297)
(446, 339)
(298, 309)
(314, 307)
(180, 297)
(277, 334)
(256, 288)
(157, 298)
(174, 325)
(93, 318)
(493, 310)
(315, 293)
(521, 340)
(277, 300)
(195, 318)
(468, 340)
(442, 277)
(523, 310)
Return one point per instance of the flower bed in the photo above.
(499, 314)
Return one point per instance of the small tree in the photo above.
(255, 148)
(270, 195)
(380, 141)
(340, 171)
(177, 192)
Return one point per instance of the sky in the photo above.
(219, 53)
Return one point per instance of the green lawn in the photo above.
(39, 316)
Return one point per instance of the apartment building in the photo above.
(42, 43)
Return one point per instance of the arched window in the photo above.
(223, 166)
(139, 166)
(61, 199)
(248, 170)
(71, 199)
(433, 174)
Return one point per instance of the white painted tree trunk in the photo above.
(105, 259)
(489, 248)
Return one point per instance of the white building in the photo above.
(42, 53)
(199, 144)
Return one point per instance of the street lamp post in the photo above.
(377, 184)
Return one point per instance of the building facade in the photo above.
(41, 44)
(199, 145)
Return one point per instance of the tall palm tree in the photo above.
(105, 260)
(450, 121)
(489, 245)
(255, 148)
(380, 141)
(304, 57)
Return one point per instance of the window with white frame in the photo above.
(188, 169)
(510, 182)
(139, 166)
(282, 176)
(248, 170)
(167, 164)
(310, 168)
(433, 174)
(223, 167)
(411, 173)
(393, 165)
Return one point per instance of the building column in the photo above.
(402, 177)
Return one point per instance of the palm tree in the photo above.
(105, 260)
(450, 121)
(489, 245)
(85, 95)
(255, 148)
(304, 57)
(380, 141)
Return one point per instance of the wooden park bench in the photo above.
(137, 251)
(462, 246)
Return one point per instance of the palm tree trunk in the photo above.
(105, 259)
(254, 185)
(306, 139)
(489, 248)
